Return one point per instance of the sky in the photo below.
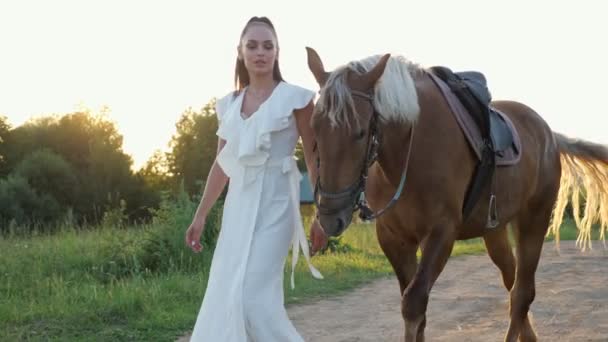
(148, 61)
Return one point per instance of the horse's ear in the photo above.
(372, 76)
(316, 66)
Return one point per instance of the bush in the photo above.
(41, 189)
(163, 247)
(48, 173)
(23, 206)
(159, 248)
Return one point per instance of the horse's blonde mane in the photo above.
(395, 97)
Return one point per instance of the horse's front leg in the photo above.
(436, 250)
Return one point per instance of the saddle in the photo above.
(490, 133)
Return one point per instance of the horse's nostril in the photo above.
(340, 224)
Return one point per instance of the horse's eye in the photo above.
(360, 135)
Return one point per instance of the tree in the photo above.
(49, 174)
(20, 203)
(92, 146)
(193, 148)
(4, 126)
(25, 139)
(4, 130)
(156, 172)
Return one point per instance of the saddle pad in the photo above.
(510, 156)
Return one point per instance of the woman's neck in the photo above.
(262, 84)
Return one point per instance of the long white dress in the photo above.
(244, 296)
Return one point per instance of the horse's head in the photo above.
(344, 124)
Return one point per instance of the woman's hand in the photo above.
(317, 236)
(193, 234)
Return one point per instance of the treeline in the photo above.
(72, 167)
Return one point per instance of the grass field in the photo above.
(141, 284)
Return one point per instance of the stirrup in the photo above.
(492, 213)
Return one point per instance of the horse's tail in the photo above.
(584, 172)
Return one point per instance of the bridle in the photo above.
(356, 191)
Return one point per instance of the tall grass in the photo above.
(107, 283)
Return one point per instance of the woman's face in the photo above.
(259, 50)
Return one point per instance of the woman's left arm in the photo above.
(303, 120)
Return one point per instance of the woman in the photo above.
(259, 125)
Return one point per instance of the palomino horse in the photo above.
(398, 101)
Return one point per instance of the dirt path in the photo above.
(469, 303)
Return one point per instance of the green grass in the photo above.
(71, 287)
(141, 284)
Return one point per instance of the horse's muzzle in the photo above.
(335, 224)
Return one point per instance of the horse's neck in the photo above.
(393, 150)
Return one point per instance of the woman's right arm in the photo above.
(216, 181)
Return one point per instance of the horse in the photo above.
(381, 118)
